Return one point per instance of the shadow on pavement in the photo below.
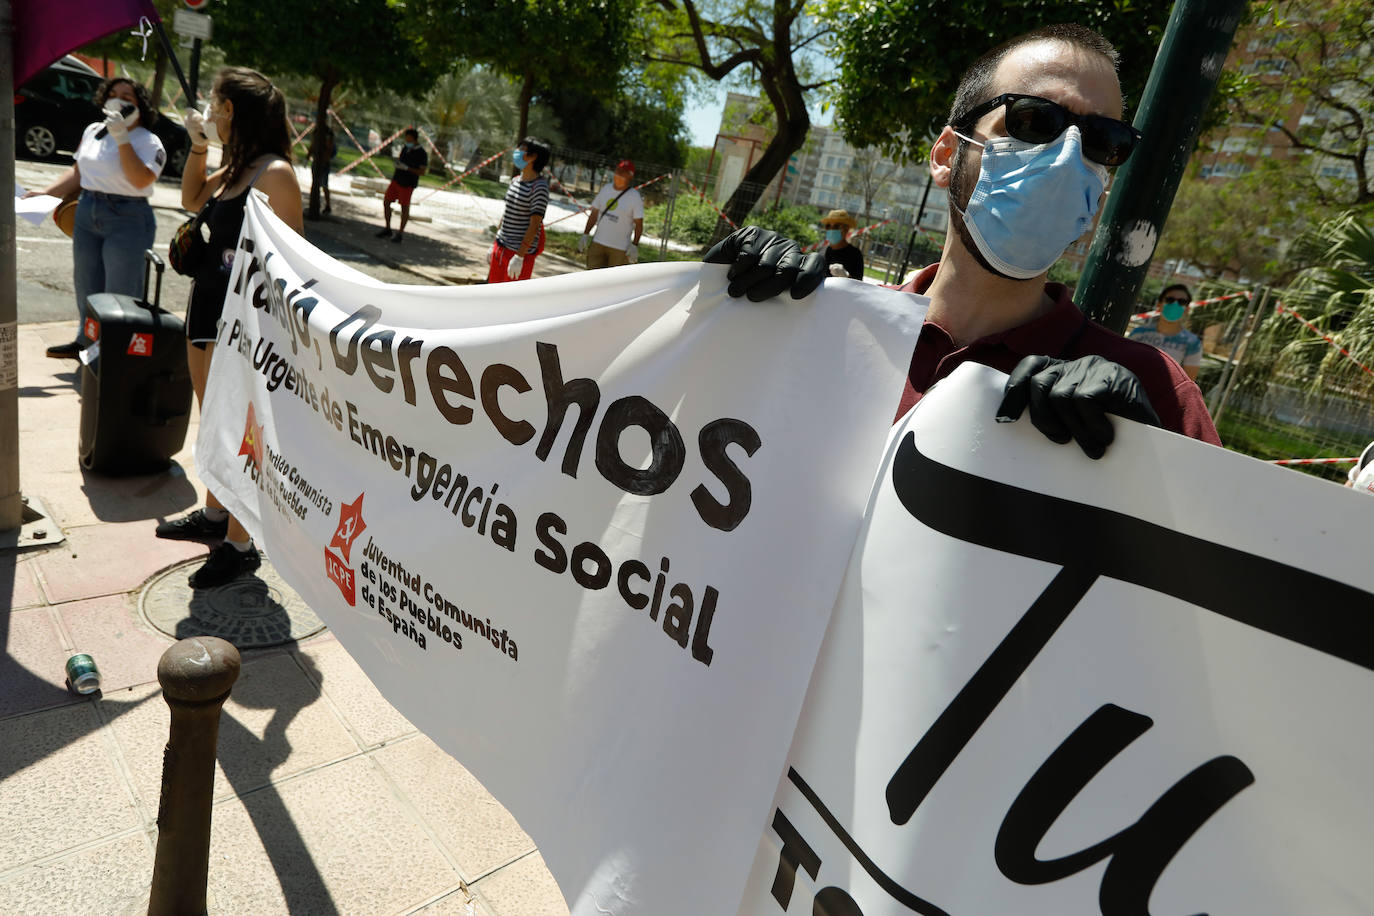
(152, 497)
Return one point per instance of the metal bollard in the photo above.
(196, 675)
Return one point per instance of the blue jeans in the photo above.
(108, 242)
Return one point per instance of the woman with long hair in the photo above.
(246, 115)
(117, 162)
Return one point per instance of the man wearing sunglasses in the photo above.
(1033, 131)
(1167, 332)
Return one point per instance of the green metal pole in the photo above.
(1191, 56)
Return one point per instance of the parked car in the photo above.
(53, 108)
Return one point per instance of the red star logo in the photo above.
(351, 525)
(252, 445)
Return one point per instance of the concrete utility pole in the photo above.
(1187, 67)
(11, 504)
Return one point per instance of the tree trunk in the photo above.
(159, 74)
(780, 84)
(319, 160)
(526, 93)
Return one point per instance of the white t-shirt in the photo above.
(616, 224)
(1362, 474)
(98, 161)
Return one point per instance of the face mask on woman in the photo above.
(834, 236)
(518, 157)
(211, 131)
(1173, 311)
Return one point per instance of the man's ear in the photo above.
(942, 153)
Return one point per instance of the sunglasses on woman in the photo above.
(1032, 119)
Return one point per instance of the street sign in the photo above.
(192, 25)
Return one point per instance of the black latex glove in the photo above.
(1070, 399)
(763, 264)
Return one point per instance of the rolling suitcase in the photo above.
(135, 386)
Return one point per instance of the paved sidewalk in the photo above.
(326, 799)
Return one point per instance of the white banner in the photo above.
(1054, 686)
(585, 532)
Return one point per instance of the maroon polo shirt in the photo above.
(1064, 333)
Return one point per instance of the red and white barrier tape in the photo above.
(303, 134)
(584, 208)
(1153, 313)
(434, 149)
(458, 179)
(367, 157)
(1287, 461)
(1280, 308)
(702, 194)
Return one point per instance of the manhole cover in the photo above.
(251, 612)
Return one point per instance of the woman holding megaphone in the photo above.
(117, 162)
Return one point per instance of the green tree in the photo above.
(729, 39)
(902, 59)
(1336, 294)
(644, 126)
(541, 45)
(1318, 54)
(365, 43)
(868, 174)
(1225, 227)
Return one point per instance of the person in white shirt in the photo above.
(117, 162)
(618, 220)
(1361, 476)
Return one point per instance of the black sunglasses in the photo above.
(1032, 119)
(1179, 301)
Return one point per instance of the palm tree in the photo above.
(1336, 296)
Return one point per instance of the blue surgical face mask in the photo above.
(1032, 201)
(834, 236)
(518, 157)
(1173, 311)
(410, 145)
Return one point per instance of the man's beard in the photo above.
(959, 196)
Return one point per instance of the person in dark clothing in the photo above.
(842, 258)
(1034, 128)
(246, 115)
(410, 165)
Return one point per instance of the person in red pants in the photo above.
(520, 235)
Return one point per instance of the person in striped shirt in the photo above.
(520, 235)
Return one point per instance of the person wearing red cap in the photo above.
(618, 220)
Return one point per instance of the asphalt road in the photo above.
(44, 256)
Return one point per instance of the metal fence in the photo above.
(1278, 387)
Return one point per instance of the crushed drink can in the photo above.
(82, 675)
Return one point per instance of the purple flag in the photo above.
(44, 30)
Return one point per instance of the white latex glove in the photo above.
(195, 128)
(118, 124)
(837, 270)
(513, 268)
(632, 252)
(582, 243)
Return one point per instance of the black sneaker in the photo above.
(225, 564)
(383, 233)
(193, 526)
(65, 351)
(396, 237)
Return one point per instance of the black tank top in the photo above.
(225, 221)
